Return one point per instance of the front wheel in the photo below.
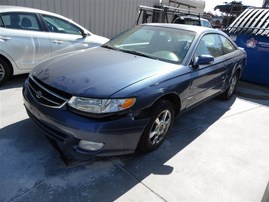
(159, 126)
(231, 88)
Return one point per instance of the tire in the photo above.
(4, 72)
(231, 88)
(159, 126)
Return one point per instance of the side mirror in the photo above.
(84, 34)
(203, 60)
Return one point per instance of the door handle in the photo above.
(58, 41)
(3, 38)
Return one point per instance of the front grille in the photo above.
(45, 96)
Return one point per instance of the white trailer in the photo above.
(171, 11)
(193, 6)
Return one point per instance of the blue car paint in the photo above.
(105, 73)
(120, 135)
(94, 80)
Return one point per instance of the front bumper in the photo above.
(120, 136)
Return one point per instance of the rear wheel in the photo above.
(159, 126)
(231, 88)
(4, 72)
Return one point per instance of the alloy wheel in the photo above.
(232, 85)
(160, 127)
(2, 72)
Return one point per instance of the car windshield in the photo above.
(161, 43)
(189, 21)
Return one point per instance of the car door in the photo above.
(22, 38)
(232, 59)
(207, 79)
(64, 35)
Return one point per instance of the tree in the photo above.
(266, 4)
(230, 11)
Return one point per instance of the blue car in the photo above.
(125, 95)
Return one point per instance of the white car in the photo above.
(192, 20)
(29, 36)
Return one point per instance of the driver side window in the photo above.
(58, 25)
(210, 44)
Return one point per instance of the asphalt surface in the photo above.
(218, 151)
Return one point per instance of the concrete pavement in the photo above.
(251, 90)
(218, 151)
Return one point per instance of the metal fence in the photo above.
(102, 17)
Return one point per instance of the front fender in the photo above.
(147, 93)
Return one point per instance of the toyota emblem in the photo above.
(38, 94)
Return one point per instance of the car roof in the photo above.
(192, 17)
(193, 28)
(6, 8)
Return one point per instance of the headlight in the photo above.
(100, 106)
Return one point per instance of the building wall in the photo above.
(102, 17)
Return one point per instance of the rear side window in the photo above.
(24, 21)
(228, 47)
(58, 25)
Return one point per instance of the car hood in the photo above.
(98, 72)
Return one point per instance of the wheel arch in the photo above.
(174, 99)
(171, 97)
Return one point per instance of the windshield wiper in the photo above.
(128, 51)
(137, 53)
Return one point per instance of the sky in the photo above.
(210, 4)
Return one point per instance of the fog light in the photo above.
(92, 146)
